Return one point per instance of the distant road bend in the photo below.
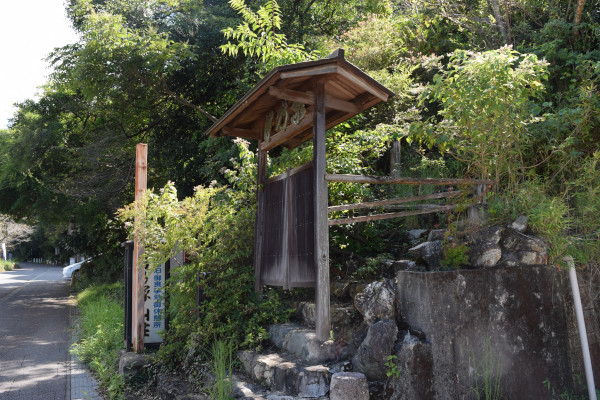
(34, 336)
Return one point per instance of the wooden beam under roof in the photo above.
(308, 98)
(240, 132)
(290, 132)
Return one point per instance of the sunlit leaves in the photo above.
(486, 103)
(258, 36)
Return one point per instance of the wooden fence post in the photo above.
(141, 170)
(321, 251)
(261, 181)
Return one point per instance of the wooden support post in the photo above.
(395, 159)
(261, 181)
(137, 281)
(321, 251)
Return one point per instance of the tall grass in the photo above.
(488, 373)
(8, 265)
(100, 333)
(221, 367)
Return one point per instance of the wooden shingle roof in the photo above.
(283, 102)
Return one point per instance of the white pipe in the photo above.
(585, 349)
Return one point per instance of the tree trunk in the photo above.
(577, 20)
(395, 159)
(500, 23)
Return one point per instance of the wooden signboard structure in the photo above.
(291, 105)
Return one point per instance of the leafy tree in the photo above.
(257, 36)
(486, 105)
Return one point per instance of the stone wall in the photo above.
(521, 317)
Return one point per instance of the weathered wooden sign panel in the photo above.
(287, 257)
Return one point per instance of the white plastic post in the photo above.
(585, 349)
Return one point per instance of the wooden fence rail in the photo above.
(481, 188)
(404, 180)
(390, 202)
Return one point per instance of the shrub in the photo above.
(8, 265)
(100, 333)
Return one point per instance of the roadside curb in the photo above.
(81, 385)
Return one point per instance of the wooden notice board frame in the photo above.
(291, 105)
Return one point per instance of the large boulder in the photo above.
(372, 353)
(436, 234)
(485, 249)
(415, 234)
(519, 224)
(429, 252)
(405, 265)
(521, 249)
(414, 370)
(130, 364)
(376, 301)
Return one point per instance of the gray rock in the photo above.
(484, 248)
(278, 332)
(416, 234)
(491, 234)
(485, 257)
(371, 356)
(405, 265)
(376, 302)
(130, 364)
(436, 234)
(246, 390)
(279, 397)
(355, 288)
(307, 346)
(285, 374)
(193, 396)
(349, 386)
(430, 252)
(519, 224)
(518, 248)
(414, 366)
(341, 316)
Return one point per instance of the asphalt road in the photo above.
(34, 336)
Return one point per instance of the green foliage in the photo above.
(370, 269)
(222, 367)
(485, 100)
(568, 394)
(257, 36)
(547, 215)
(487, 379)
(585, 216)
(380, 41)
(8, 265)
(392, 368)
(455, 255)
(232, 310)
(100, 333)
(101, 269)
(216, 228)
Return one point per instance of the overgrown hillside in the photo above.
(504, 91)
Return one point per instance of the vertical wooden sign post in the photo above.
(261, 182)
(141, 171)
(321, 252)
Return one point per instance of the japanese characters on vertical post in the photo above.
(154, 304)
